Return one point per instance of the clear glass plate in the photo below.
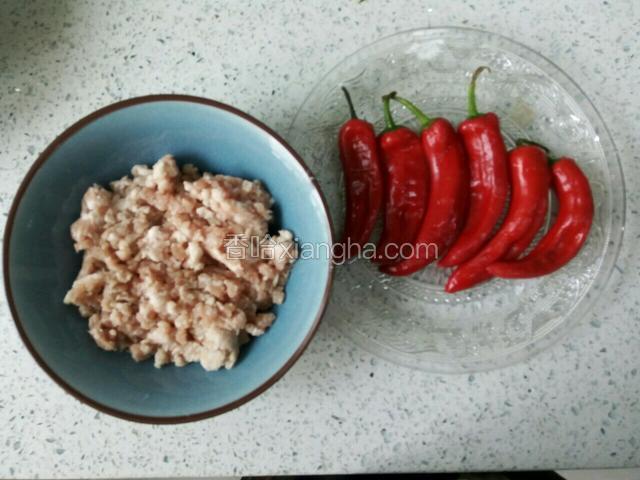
(411, 321)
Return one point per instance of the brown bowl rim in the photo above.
(44, 156)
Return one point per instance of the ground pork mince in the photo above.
(179, 265)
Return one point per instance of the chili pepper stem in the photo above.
(388, 118)
(424, 120)
(472, 107)
(352, 111)
(523, 141)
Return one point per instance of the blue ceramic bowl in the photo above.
(40, 263)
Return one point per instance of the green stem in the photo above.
(523, 141)
(388, 119)
(424, 120)
(471, 93)
(352, 110)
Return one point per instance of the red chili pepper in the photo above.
(568, 232)
(406, 187)
(530, 182)
(363, 180)
(449, 197)
(537, 220)
(489, 180)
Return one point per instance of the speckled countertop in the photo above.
(338, 409)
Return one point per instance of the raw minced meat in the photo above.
(178, 265)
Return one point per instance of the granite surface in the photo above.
(339, 409)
